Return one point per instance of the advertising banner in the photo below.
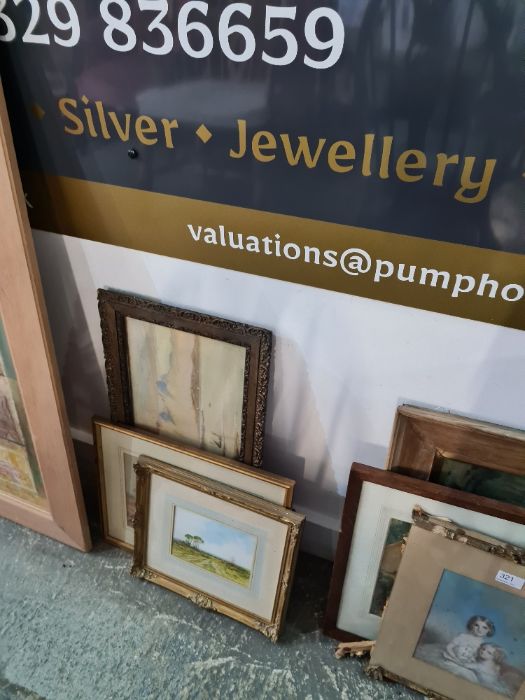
(371, 147)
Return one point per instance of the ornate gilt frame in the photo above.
(114, 307)
(294, 522)
(23, 311)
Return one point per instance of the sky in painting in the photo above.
(222, 541)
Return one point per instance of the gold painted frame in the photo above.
(277, 489)
(468, 554)
(293, 522)
(23, 312)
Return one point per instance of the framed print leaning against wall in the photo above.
(39, 484)
(464, 636)
(118, 449)
(223, 549)
(187, 376)
(377, 517)
(462, 453)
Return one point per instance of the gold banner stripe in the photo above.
(158, 223)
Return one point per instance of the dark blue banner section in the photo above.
(398, 115)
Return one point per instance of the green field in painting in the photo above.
(214, 565)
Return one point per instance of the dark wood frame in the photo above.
(422, 438)
(115, 307)
(23, 310)
(360, 474)
(145, 468)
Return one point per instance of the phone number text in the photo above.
(323, 30)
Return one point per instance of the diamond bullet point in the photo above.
(37, 111)
(204, 133)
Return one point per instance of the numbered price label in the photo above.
(510, 580)
(323, 30)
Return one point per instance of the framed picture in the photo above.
(223, 549)
(118, 449)
(39, 484)
(469, 455)
(194, 378)
(464, 638)
(377, 517)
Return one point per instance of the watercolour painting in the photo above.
(10, 429)
(390, 561)
(185, 376)
(10, 404)
(213, 546)
(476, 632)
(186, 386)
(130, 486)
(224, 549)
(39, 482)
(19, 474)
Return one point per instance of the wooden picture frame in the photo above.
(252, 585)
(464, 636)
(41, 488)
(378, 504)
(118, 449)
(467, 454)
(220, 375)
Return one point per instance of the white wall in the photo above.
(341, 364)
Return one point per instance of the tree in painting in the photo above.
(213, 546)
(193, 540)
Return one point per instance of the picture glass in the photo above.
(476, 632)
(233, 553)
(19, 473)
(390, 560)
(508, 488)
(187, 387)
(217, 548)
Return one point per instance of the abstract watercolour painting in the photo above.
(187, 387)
(186, 376)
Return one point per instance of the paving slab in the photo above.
(77, 626)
